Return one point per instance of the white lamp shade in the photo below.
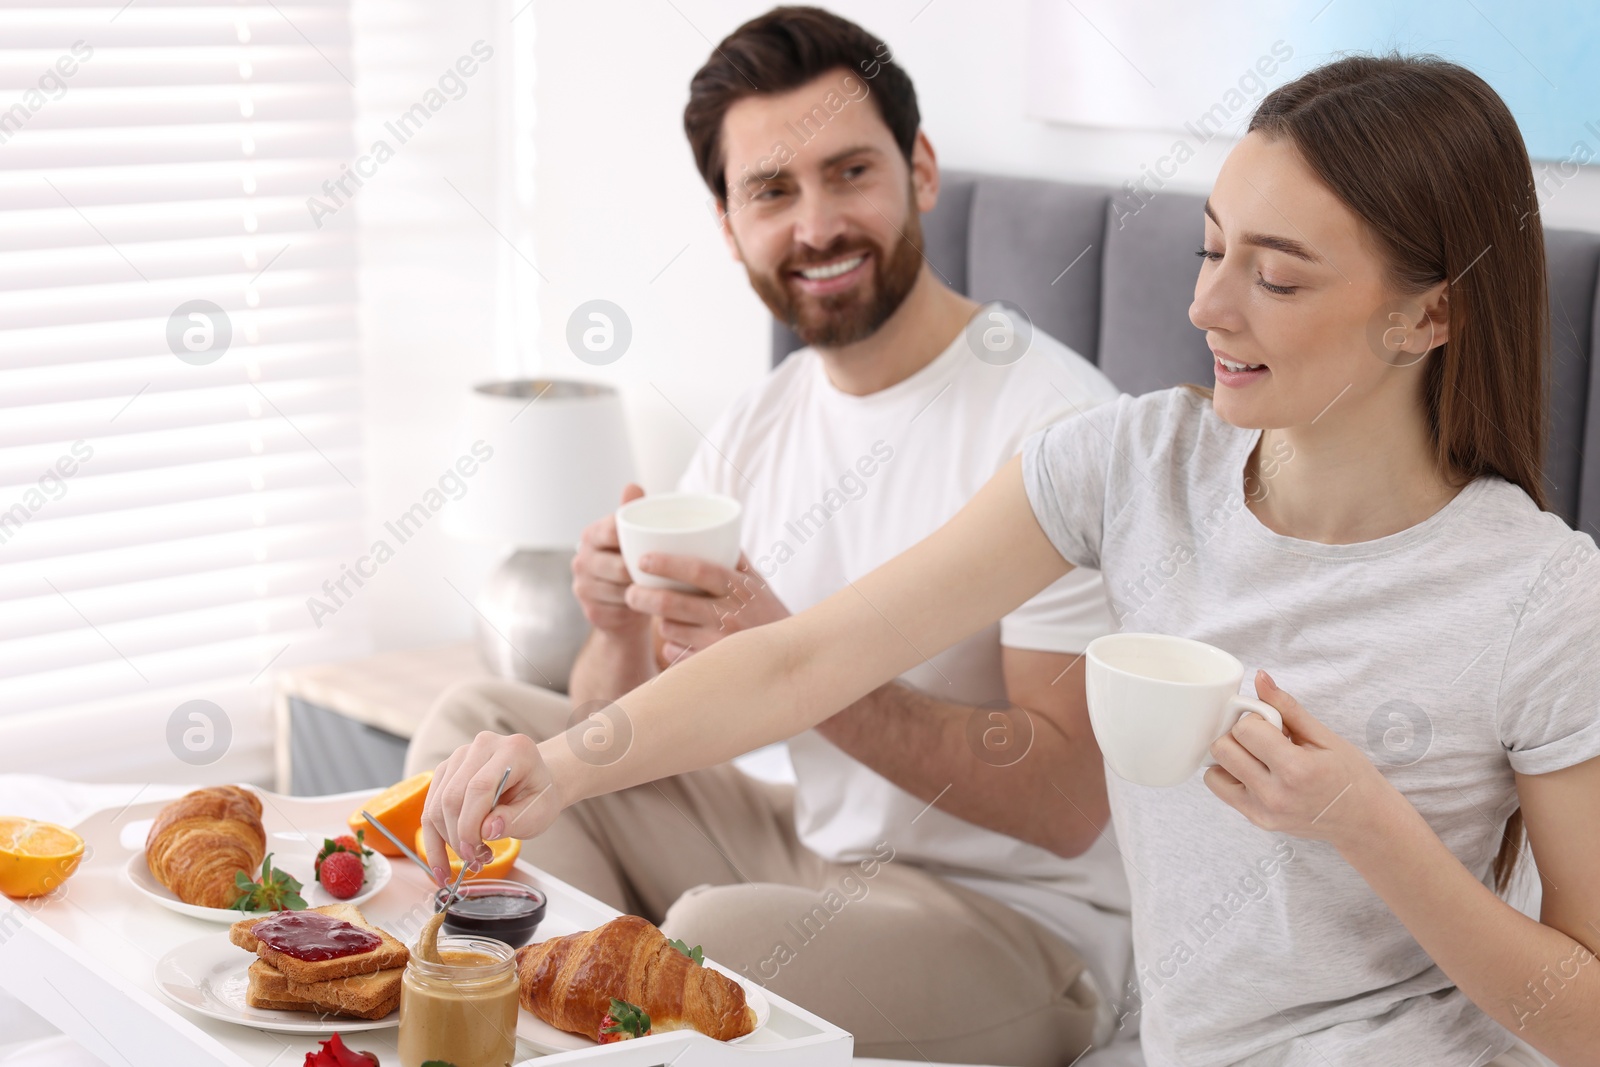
(561, 456)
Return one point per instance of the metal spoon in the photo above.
(401, 845)
(454, 894)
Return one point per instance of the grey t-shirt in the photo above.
(1453, 653)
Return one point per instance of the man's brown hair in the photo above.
(783, 50)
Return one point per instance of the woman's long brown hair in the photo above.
(1429, 157)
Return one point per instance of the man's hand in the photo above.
(600, 578)
(726, 602)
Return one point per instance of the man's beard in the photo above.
(855, 314)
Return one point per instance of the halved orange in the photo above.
(36, 857)
(399, 808)
(504, 854)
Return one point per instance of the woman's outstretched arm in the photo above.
(760, 685)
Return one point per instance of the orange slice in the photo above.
(36, 857)
(399, 808)
(505, 852)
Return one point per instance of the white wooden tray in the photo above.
(85, 956)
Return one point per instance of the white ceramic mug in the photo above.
(1157, 703)
(703, 525)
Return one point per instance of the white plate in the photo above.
(547, 1039)
(292, 852)
(208, 975)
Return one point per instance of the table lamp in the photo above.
(561, 457)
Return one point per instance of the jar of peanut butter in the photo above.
(463, 1009)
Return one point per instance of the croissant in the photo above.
(202, 839)
(569, 982)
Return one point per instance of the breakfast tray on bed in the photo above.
(84, 958)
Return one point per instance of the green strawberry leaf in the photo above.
(695, 953)
(627, 1019)
(276, 890)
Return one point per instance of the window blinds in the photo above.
(180, 458)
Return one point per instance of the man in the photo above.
(913, 886)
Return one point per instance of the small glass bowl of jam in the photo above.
(493, 907)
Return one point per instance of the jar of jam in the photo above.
(462, 1010)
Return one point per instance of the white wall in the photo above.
(617, 199)
(435, 308)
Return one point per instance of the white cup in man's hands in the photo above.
(600, 578)
(1157, 704)
(703, 525)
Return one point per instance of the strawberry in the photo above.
(342, 874)
(342, 843)
(623, 1023)
(332, 1053)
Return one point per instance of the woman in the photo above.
(1358, 506)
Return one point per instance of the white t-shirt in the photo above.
(1452, 653)
(834, 485)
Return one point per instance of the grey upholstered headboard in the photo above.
(1119, 295)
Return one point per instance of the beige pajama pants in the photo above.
(912, 965)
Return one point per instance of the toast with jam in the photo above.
(320, 944)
